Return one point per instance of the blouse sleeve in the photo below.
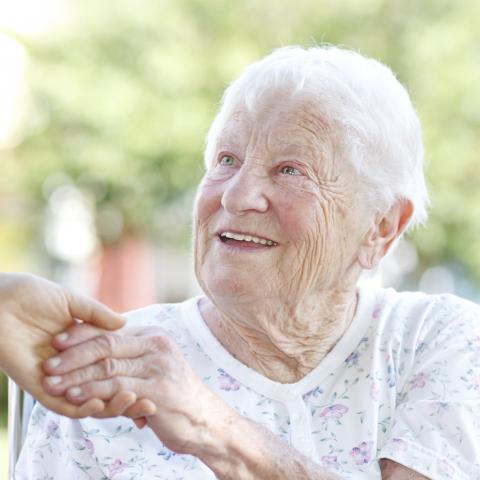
(436, 425)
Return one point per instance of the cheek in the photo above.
(302, 217)
(311, 224)
(207, 202)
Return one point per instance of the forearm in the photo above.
(243, 450)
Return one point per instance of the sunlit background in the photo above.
(104, 107)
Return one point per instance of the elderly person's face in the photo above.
(275, 177)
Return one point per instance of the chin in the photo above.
(223, 284)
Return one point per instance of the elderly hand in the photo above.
(142, 360)
(32, 311)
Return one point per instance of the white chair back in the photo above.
(20, 405)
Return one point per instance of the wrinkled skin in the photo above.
(96, 363)
(279, 309)
(145, 360)
(32, 311)
(282, 184)
(275, 177)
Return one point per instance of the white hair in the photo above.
(366, 110)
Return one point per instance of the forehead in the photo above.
(276, 122)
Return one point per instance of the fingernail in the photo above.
(61, 337)
(75, 391)
(54, 380)
(54, 362)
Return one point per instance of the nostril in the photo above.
(244, 193)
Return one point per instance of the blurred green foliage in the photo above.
(121, 98)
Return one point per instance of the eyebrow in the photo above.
(228, 144)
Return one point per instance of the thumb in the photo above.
(90, 311)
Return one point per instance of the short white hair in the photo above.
(365, 106)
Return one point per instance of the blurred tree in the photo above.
(121, 98)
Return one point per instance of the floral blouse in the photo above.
(402, 383)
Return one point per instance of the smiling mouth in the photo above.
(239, 238)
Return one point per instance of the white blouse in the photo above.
(402, 383)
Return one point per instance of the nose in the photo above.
(246, 192)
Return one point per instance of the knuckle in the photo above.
(106, 343)
(80, 376)
(118, 384)
(162, 342)
(108, 367)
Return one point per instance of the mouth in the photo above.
(233, 238)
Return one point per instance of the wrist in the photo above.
(225, 441)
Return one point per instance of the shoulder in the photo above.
(408, 300)
(415, 327)
(436, 335)
(418, 310)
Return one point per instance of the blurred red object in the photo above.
(127, 275)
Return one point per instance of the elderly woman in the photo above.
(285, 368)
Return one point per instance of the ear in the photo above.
(386, 229)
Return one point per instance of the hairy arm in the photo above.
(242, 449)
(247, 451)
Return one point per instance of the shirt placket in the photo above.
(300, 425)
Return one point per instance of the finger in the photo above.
(104, 346)
(141, 408)
(140, 422)
(117, 406)
(137, 409)
(106, 368)
(81, 332)
(102, 389)
(90, 407)
(77, 333)
(60, 405)
(91, 311)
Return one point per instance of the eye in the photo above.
(226, 160)
(288, 170)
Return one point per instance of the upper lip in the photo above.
(243, 232)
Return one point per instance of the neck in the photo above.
(282, 341)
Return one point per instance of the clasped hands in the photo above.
(141, 373)
(96, 368)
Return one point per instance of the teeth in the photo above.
(248, 238)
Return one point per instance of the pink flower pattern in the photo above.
(227, 382)
(89, 446)
(430, 369)
(116, 467)
(336, 412)
(398, 445)
(329, 460)
(418, 381)
(52, 429)
(361, 453)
